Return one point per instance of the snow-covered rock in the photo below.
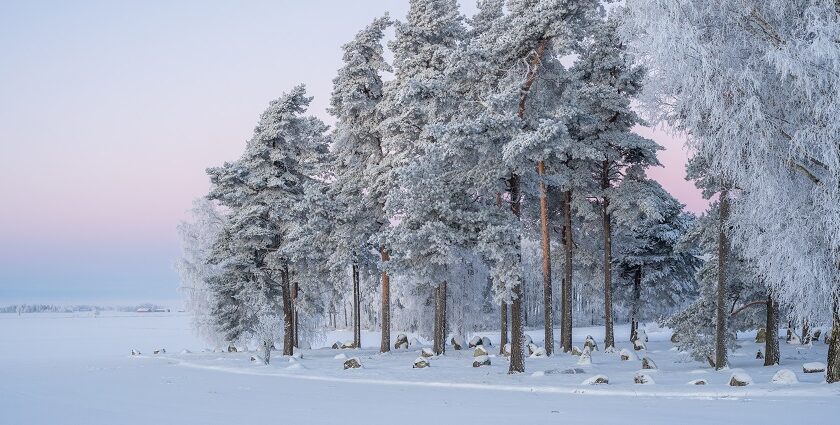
(576, 351)
(572, 371)
(642, 335)
(420, 363)
(402, 342)
(784, 376)
(232, 349)
(675, 338)
(160, 351)
(528, 340)
(537, 352)
(698, 382)
(427, 352)
(481, 361)
(817, 333)
(486, 342)
(813, 367)
(476, 340)
(340, 356)
(337, 345)
(585, 359)
(348, 344)
(648, 363)
(590, 343)
(135, 352)
(761, 336)
(457, 342)
(609, 350)
(480, 351)
(793, 339)
(596, 380)
(185, 351)
(740, 379)
(759, 354)
(638, 345)
(353, 363)
(626, 355)
(643, 379)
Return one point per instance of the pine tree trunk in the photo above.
(385, 345)
(295, 334)
(288, 326)
(357, 319)
(517, 364)
(609, 334)
(771, 340)
(566, 329)
(548, 316)
(723, 254)
(832, 372)
(634, 306)
(503, 338)
(439, 345)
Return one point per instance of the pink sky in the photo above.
(111, 112)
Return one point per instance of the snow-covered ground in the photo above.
(73, 369)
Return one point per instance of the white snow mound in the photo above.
(785, 376)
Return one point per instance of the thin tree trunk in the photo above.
(385, 345)
(771, 340)
(723, 254)
(806, 329)
(288, 326)
(566, 329)
(357, 319)
(609, 334)
(517, 364)
(295, 334)
(439, 345)
(503, 338)
(548, 316)
(634, 306)
(832, 372)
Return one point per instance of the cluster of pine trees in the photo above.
(492, 160)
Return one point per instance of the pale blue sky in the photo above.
(111, 110)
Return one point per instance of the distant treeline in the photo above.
(51, 308)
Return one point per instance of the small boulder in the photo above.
(576, 351)
(784, 376)
(480, 351)
(254, 359)
(639, 345)
(675, 338)
(817, 333)
(761, 336)
(348, 344)
(353, 363)
(813, 367)
(232, 349)
(647, 363)
(476, 340)
(740, 379)
(402, 342)
(426, 352)
(457, 342)
(532, 348)
(135, 352)
(585, 359)
(481, 361)
(643, 379)
(626, 355)
(596, 380)
(759, 355)
(486, 342)
(590, 343)
(337, 345)
(160, 351)
(420, 363)
(698, 382)
(538, 352)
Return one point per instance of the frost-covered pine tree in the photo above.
(720, 70)
(653, 273)
(197, 238)
(413, 100)
(608, 81)
(358, 191)
(265, 191)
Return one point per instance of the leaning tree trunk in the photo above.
(385, 345)
(634, 304)
(288, 326)
(548, 316)
(503, 338)
(832, 372)
(566, 329)
(771, 340)
(517, 363)
(609, 334)
(439, 345)
(723, 253)
(357, 319)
